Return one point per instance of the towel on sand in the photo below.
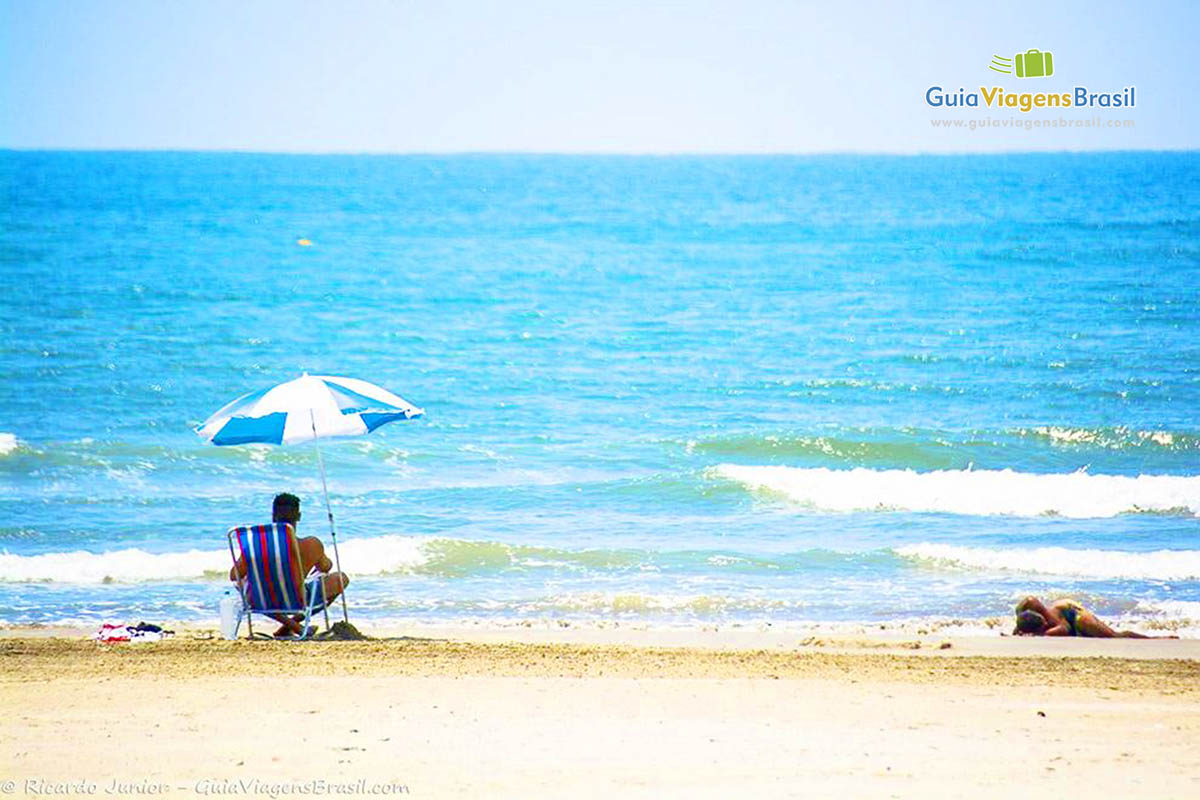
(133, 634)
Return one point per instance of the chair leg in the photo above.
(306, 626)
(325, 606)
(250, 625)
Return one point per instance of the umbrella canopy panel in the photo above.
(309, 407)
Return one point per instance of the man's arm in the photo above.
(312, 556)
(1031, 603)
(1061, 629)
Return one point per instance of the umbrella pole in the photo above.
(337, 560)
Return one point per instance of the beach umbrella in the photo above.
(308, 408)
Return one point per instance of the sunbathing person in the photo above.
(286, 508)
(1066, 618)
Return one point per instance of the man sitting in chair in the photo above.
(286, 508)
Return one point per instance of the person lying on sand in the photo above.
(286, 508)
(1066, 618)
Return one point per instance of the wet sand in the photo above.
(448, 717)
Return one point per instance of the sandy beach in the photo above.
(600, 715)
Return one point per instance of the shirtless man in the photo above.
(286, 508)
(1066, 618)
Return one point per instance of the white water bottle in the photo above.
(229, 616)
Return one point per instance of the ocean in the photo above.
(659, 391)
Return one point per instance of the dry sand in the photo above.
(858, 717)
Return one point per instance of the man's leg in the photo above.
(334, 584)
(1089, 625)
(312, 554)
(1132, 635)
(1095, 627)
(288, 625)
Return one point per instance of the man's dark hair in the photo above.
(1030, 622)
(286, 508)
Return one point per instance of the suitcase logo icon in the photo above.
(1030, 64)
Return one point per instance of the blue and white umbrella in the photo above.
(308, 408)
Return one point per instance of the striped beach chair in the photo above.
(273, 583)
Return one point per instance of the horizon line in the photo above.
(592, 153)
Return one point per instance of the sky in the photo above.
(582, 77)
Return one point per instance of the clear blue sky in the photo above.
(634, 77)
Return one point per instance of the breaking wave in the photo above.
(442, 559)
(1165, 565)
(1115, 438)
(972, 492)
(134, 565)
(439, 558)
(877, 448)
(8, 443)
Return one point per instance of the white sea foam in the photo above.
(8, 443)
(119, 566)
(1166, 565)
(382, 554)
(975, 492)
(1170, 609)
(132, 565)
(636, 604)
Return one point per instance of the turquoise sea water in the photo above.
(659, 390)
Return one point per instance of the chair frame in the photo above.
(312, 600)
